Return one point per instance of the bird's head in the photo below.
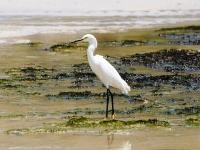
(90, 38)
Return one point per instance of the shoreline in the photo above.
(19, 28)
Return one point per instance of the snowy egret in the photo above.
(104, 70)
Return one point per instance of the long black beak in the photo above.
(78, 40)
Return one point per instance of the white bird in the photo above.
(104, 70)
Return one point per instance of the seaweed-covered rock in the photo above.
(147, 80)
(59, 47)
(132, 42)
(72, 95)
(193, 121)
(181, 36)
(188, 110)
(36, 73)
(188, 28)
(170, 60)
(62, 47)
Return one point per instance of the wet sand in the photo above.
(38, 109)
(140, 140)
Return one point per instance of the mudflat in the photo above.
(50, 98)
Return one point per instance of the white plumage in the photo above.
(104, 70)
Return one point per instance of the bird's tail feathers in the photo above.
(126, 88)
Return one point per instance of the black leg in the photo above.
(113, 111)
(107, 103)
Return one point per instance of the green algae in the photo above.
(10, 84)
(169, 60)
(28, 70)
(193, 121)
(122, 112)
(31, 44)
(132, 42)
(88, 123)
(4, 81)
(83, 74)
(34, 44)
(37, 69)
(28, 93)
(72, 95)
(60, 47)
(191, 28)
(35, 73)
(82, 65)
(188, 110)
(178, 109)
(36, 131)
(63, 47)
(12, 117)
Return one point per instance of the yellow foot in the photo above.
(113, 116)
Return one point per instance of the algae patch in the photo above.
(193, 121)
(12, 117)
(72, 95)
(88, 123)
(36, 73)
(66, 47)
(184, 28)
(169, 60)
(31, 44)
(9, 84)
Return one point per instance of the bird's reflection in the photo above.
(125, 146)
(110, 139)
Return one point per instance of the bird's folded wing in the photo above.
(107, 71)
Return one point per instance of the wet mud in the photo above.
(165, 85)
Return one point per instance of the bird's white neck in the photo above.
(90, 52)
(91, 48)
